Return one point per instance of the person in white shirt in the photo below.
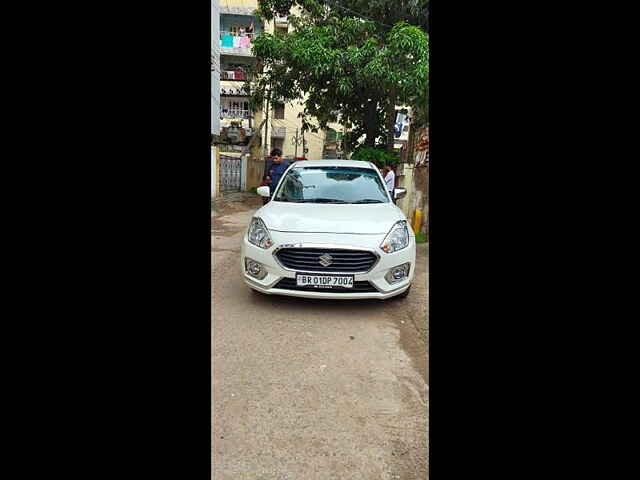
(390, 180)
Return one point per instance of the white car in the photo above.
(330, 231)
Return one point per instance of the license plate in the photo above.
(324, 281)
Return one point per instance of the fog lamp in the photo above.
(397, 274)
(255, 269)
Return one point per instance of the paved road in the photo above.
(309, 389)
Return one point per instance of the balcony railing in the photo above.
(284, 20)
(235, 113)
(236, 75)
(233, 92)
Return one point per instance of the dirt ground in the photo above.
(313, 389)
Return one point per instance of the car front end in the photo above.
(336, 266)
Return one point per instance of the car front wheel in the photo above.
(404, 294)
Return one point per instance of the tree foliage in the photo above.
(414, 12)
(344, 66)
(374, 155)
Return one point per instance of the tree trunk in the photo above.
(371, 124)
(391, 120)
(426, 108)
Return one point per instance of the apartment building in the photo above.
(215, 95)
(238, 29)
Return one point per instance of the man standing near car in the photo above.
(390, 180)
(276, 170)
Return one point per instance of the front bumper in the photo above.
(375, 277)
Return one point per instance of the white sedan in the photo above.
(330, 231)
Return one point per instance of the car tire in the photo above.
(257, 293)
(404, 294)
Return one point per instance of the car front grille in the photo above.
(308, 259)
(358, 287)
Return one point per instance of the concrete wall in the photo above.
(215, 75)
(214, 172)
(415, 180)
(255, 171)
(247, 4)
(255, 163)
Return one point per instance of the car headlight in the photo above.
(397, 238)
(258, 234)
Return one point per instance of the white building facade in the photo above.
(215, 90)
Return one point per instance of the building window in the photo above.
(277, 143)
(278, 111)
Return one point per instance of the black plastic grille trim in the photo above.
(306, 259)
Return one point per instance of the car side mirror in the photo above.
(399, 193)
(264, 191)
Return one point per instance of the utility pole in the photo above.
(296, 141)
(304, 146)
(266, 125)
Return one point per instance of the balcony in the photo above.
(235, 75)
(282, 21)
(278, 132)
(233, 113)
(234, 43)
(233, 92)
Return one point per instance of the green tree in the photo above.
(345, 66)
(374, 155)
(385, 12)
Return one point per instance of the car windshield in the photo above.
(332, 185)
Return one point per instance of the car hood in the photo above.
(369, 219)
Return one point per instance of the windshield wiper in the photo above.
(322, 200)
(368, 200)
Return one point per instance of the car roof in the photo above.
(334, 163)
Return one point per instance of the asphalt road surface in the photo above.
(309, 389)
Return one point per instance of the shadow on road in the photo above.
(297, 303)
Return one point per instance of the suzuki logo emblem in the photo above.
(325, 260)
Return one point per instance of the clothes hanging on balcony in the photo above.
(245, 42)
(227, 40)
(236, 42)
